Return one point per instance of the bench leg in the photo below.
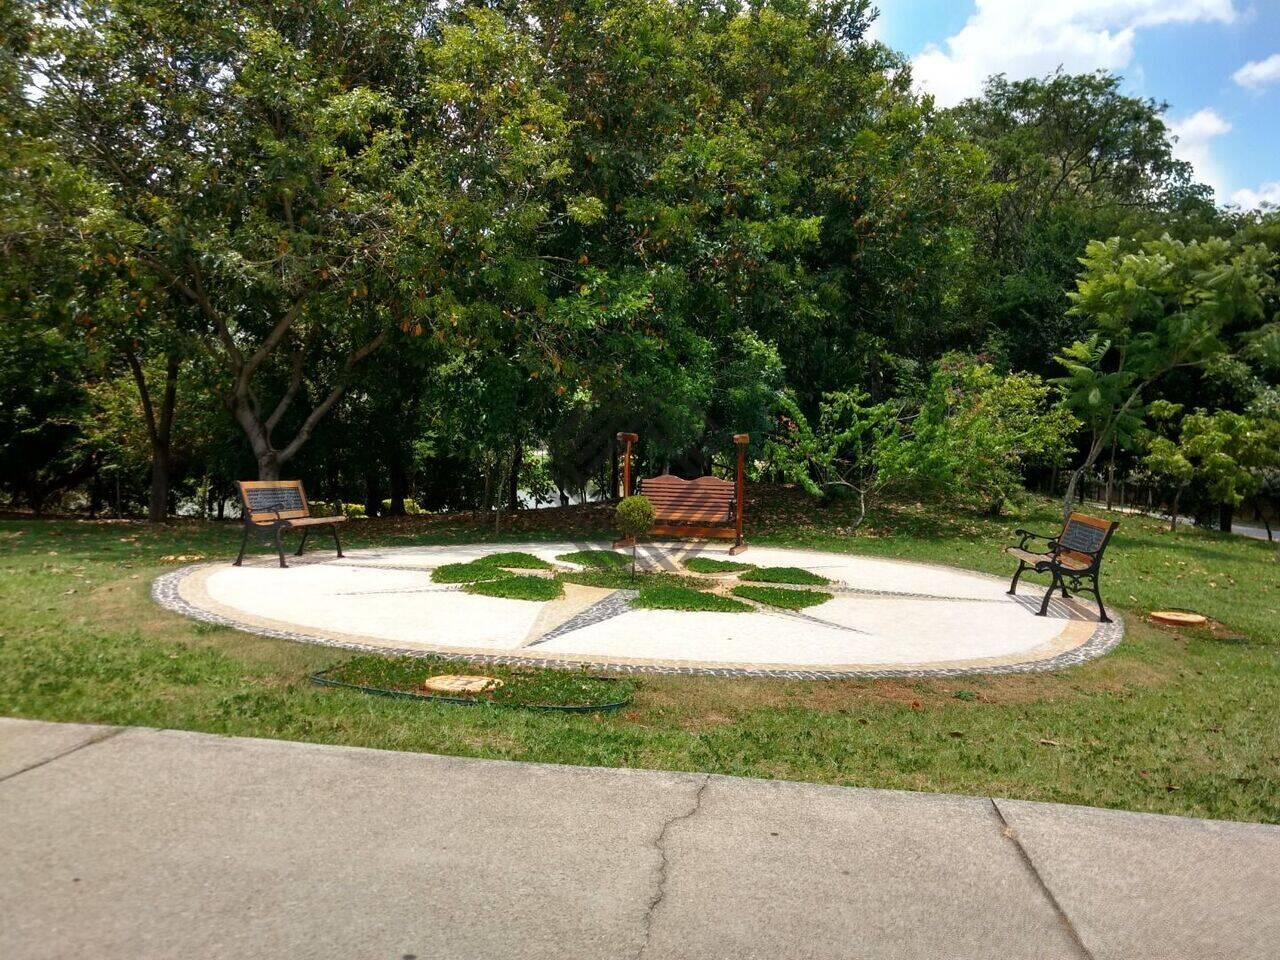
(244, 541)
(1102, 611)
(1013, 586)
(737, 548)
(1048, 594)
(302, 543)
(280, 545)
(333, 528)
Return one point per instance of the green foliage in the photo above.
(710, 565)
(784, 575)
(472, 572)
(492, 566)
(514, 559)
(517, 588)
(1227, 456)
(975, 431)
(664, 596)
(842, 452)
(597, 559)
(971, 435)
(781, 597)
(623, 579)
(43, 405)
(1166, 306)
(634, 516)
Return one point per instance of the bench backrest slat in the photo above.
(272, 499)
(673, 498)
(1084, 537)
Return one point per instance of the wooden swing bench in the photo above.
(703, 507)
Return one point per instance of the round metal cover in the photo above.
(460, 683)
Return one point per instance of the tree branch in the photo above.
(316, 415)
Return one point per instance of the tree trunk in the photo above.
(1173, 512)
(1225, 515)
(1111, 472)
(372, 502)
(396, 474)
(159, 428)
(158, 506)
(613, 469)
(1095, 448)
(513, 486)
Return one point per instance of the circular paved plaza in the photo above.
(885, 618)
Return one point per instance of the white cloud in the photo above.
(1194, 137)
(1268, 193)
(1027, 38)
(1257, 74)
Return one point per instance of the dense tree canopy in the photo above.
(436, 255)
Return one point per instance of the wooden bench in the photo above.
(1075, 554)
(277, 506)
(702, 507)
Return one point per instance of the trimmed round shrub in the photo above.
(635, 516)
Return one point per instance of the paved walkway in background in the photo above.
(136, 843)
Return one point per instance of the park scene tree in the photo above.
(755, 424)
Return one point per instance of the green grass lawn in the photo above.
(1173, 721)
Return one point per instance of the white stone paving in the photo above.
(912, 615)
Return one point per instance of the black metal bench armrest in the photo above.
(1027, 536)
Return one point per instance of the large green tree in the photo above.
(1164, 307)
(1071, 159)
(306, 178)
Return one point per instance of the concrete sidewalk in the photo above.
(135, 843)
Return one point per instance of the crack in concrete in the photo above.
(114, 732)
(1011, 835)
(659, 844)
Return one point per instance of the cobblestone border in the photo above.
(164, 591)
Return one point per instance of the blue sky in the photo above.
(1215, 62)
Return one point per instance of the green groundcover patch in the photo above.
(490, 567)
(666, 596)
(598, 559)
(514, 559)
(709, 565)
(537, 689)
(782, 597)
(467, 572)
(784, 575)
(623, 580)
(518, 588)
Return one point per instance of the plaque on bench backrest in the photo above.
(271, 499)
(1082, 537)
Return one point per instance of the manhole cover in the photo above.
(461, 683)
(1179, 618)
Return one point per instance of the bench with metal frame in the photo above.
(702, 507)
(1074, 555)
(276, 506)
